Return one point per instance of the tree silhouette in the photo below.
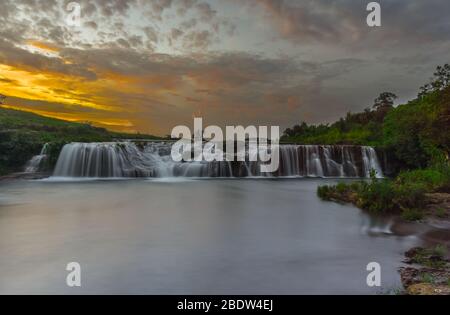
(2, 99)
(384, 100)
(439, 82)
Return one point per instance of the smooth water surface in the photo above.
(190, 237)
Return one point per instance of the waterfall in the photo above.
(370, 162)
(153, 159)
(35, 163)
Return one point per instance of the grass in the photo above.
(50, 129)
(440, 251)
(427, 278)
(431, 257)
(412, 215)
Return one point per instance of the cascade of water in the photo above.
(370, 162)
(128, 159)
(314, 164)
(35, 163)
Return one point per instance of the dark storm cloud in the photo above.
(20, 58)
(344, 20)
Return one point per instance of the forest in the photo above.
(416, 135)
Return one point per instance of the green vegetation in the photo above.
(429, 257)
(404, 195)
(428, 273)
(358, 129)
(427, 278)
(417, 134)
(23, 134)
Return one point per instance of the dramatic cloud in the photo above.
(139, 65)
(344, 20)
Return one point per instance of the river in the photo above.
(187, 236)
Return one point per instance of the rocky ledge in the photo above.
(24, 176)
(428, 272)
(438, 205)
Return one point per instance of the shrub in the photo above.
(412, 215)
(409, 195)
(341, 188)
(377, 196)
(324, 192)
(404, 195)
(440, 251)
(430, 178)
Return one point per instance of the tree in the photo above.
(438, 129)
(384, 100)
(2, 99)
(440, 80)
(383, 104)
(289, 132)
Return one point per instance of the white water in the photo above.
(35, 163)
(153, 160)
(370, 162)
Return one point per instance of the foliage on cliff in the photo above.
(417, 132)
(22, 135)
(356, 128)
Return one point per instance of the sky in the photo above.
(148, 66)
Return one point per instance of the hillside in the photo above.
(22, 135)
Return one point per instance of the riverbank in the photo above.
(26, 176)
(414, 194)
